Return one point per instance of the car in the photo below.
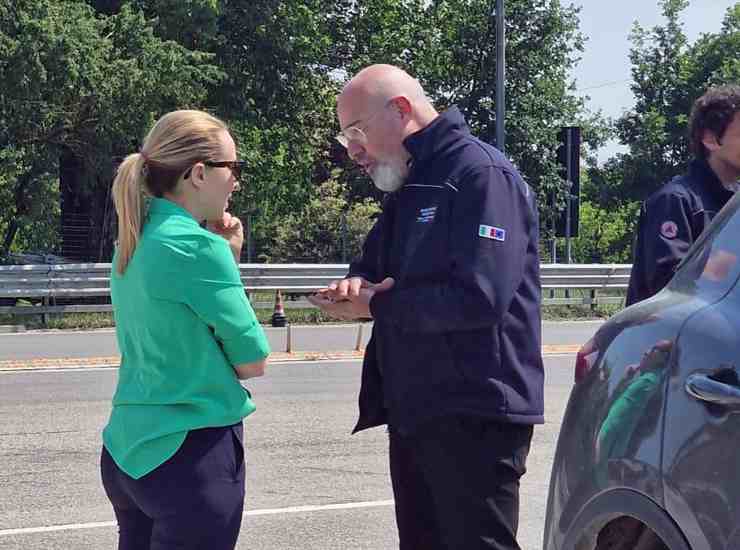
(648, 455)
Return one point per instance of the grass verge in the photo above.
(308, 316)
(300, 315)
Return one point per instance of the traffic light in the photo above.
(569, 159)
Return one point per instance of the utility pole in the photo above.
(569, 188)
(500, 77)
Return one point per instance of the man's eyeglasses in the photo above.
(356, 133)
(236, 167)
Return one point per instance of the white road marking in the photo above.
(26, 370)
(58, 332)
(248, 513)
(318, 508)
(53, 528)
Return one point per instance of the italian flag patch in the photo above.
(490, 232)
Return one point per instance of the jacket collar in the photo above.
(699, 170)
(437, 137)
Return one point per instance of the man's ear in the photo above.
(402, 106)
(711, 141)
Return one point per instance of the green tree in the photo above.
(656, 129)
(278, 96)
(191, 23)
(669, 75)
(78, 91)
(606, 234)
(271, 68)
(327, 230)
(449, 45)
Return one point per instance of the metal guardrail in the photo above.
(47, 283)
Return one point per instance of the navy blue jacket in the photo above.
(671, 219)
(460, 331)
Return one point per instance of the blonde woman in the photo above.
(172, 462)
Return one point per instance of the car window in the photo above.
(713, 264)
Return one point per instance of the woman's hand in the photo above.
(230, 228)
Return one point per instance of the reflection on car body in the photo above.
(647, 454)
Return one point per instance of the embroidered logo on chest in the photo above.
(426, 215)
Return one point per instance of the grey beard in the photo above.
(387, 177)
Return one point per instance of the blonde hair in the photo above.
(177, 141)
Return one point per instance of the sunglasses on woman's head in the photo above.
(236, 167)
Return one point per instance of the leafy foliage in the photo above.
(80, 86)
(669, 75)
(81, 81)
(327, 230)
(606, 234)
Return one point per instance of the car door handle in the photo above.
(705, 388)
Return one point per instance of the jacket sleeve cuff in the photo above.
(359, 274)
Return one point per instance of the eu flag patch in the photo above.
(490, 232)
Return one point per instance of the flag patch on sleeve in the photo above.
(490, 232)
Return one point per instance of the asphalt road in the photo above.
(102, 343)
(310, 483)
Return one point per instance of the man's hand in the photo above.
(230, 228)
(349, 299)
(345, 289)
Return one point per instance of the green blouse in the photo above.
(182, 322)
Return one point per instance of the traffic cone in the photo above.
(278, 315)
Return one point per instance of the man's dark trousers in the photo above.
(193, 501)
(456, 483)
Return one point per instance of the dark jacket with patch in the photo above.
(460, 331)
(671, 219)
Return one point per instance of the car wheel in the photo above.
(624, 520)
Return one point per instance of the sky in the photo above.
(603, 73)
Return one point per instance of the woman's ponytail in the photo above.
(127, 197)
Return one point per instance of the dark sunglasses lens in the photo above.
(235, 166)
(236, 169)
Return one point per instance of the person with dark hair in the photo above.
(675, 215)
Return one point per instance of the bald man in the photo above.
(450, 276)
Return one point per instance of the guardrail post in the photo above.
(360, 330)
(50, 275)
(45, 315)
(288, 340)
(593, 299)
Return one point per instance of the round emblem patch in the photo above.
(669, 230)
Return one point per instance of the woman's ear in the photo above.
(198, 174)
